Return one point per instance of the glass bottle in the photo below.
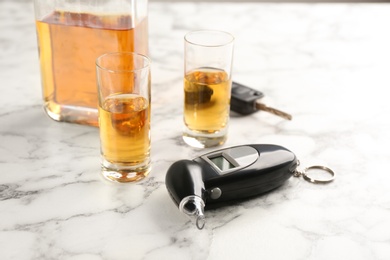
(71, 35)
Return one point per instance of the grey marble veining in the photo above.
(326, 64)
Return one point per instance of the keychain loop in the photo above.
(305, 174)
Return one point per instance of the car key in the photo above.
(246, 100)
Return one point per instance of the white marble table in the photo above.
(327, 64)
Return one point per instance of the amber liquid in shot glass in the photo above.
(207, 99)
(125, 133)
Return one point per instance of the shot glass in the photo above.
(208, 57)
(124, 94)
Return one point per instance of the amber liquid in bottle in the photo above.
(69, 44)
(206, 100)
(125, 130)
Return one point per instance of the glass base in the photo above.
(204, 140)
(124, 173)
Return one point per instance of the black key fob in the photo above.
(246, 100)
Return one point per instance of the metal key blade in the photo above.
(261, 106)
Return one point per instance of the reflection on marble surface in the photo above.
(326, 64)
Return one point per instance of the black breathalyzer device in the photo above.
(228, 174)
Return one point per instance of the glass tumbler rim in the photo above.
(229, 38)
(134, 54)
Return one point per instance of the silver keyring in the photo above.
(318, 167)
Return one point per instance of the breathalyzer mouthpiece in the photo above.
(193, 206)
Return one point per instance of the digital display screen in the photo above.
(222, 163)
